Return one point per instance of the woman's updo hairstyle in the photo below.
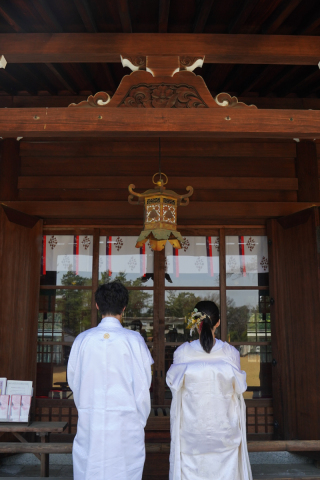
(211, 311)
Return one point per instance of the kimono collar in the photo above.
(107, 321)
(197, 346)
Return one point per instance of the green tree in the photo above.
(74, 306)
(140, 301)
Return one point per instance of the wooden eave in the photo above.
(213, 123)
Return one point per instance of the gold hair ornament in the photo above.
(195, 320)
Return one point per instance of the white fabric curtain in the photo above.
(197, 255)
(119, 254)
(247, 254)
(65, 253)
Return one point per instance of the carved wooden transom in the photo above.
(163, 96)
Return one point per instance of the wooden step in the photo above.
(258, 446)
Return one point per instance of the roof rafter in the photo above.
(19, 80)
(62, 77)
(203, 16)
(164, 8)
(47, 15)
(262, 72)
(242, 16)
(124, 12)
(280, 14)
(311, 25)
(4, 12)
(86, 15)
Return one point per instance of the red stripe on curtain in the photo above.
(210, 255)
(242, 256)
(77, 253)
(109, 255)
(44, 255)
(143, 259)
(176, 261)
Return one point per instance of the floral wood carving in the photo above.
(100, 99)
(225, 100)
(162, 96)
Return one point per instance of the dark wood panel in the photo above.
(294, 286)
(20, 255)
(155, 122)
(9, 168)
(107, 47)
(195, 210)
(172, 166)
(205, 182)
(150, 147)
(199, 195)
(307, 172)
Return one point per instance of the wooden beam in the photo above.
(107, 47)
(124, 13)
(203, 15)
(307, 172)
(86, 15)
(164, 9)
(34, 101)
(206, 183)
(204, 122)
(113, 210)
(9, 168)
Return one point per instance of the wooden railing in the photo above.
(259, 416)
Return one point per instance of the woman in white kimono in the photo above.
(208, 431)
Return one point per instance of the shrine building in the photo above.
(220, 96)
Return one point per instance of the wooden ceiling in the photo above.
(57, 81)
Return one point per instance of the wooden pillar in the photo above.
(9, 169)
(307, 171)
(159, 329)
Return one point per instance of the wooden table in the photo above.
(41, 429)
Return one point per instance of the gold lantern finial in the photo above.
(160, 213)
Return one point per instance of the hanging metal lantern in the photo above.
(160, 214)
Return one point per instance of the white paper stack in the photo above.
(3, 383)
(19, 387)
(15, 406)
(25, 408)
(4, 407)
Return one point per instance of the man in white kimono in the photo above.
(109, 372)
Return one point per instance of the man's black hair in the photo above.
(111, 298)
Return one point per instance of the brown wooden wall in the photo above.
(235, 182)
(20, 257)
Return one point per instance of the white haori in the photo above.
(110, 375)
(208, 421)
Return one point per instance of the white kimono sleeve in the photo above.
(73, 370)
(240, 386)
(175, 379)
(142, 390)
